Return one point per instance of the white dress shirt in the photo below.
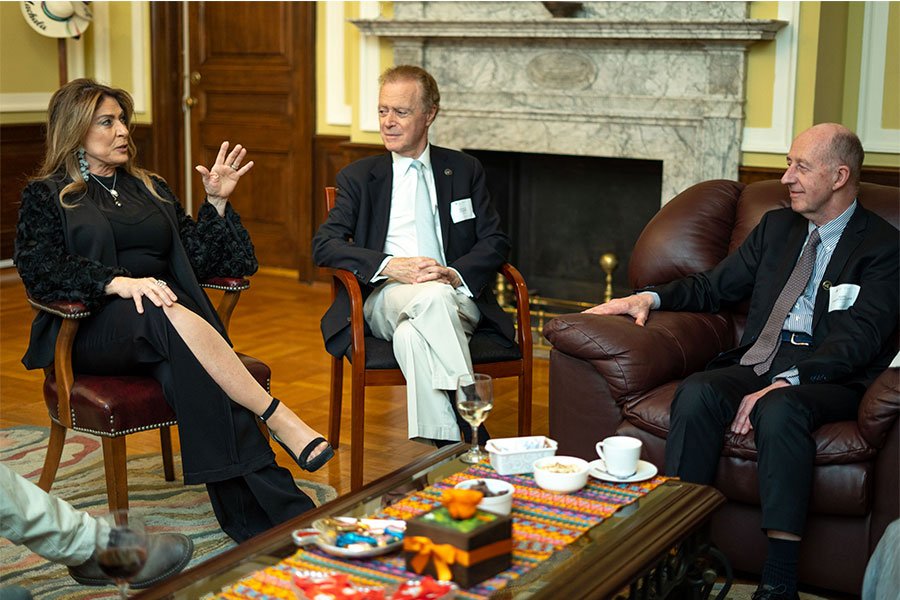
(401, 240)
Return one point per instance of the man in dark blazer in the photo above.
(829, 330)
(417, 228)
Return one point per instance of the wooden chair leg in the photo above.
(334, 408)
(165, 443)
(525, 404)
(357, 430)
(116, 473)
(53, 456)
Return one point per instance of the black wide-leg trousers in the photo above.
(783, 421)
(221, 444)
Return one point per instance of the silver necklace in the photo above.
(112, 191)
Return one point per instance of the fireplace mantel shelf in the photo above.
(747, 31)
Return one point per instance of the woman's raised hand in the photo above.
(221, 179)
(155, 290)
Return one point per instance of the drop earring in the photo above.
(82, 164)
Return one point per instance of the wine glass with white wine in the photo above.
(121, 547)
(474, 400)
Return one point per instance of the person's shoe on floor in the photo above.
(769, 592)
(167, 555)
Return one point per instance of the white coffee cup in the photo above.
(621, 454)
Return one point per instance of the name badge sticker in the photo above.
(461, 210)
(842, 297)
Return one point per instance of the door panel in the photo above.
(252, 78)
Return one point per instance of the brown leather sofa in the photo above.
(608, 376)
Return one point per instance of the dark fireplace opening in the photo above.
(563, 212)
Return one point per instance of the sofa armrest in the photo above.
(635, 359)
(880, 407)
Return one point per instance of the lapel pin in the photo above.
(448, 171)
(826, 285)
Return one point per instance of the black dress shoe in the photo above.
(769, 592)
(167, 554)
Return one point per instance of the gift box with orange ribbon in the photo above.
(458, 542)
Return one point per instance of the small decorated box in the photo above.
(466, 551)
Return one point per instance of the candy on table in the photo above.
(426, 588)
(360, 534)
(333, 586)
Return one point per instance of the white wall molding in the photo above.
(25, 102)
(337, 111)
(369, 71)
(138, 43)
(874, 138)
(777, 137)
(74, 58)
(100, 25)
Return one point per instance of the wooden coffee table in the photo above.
(653, 542)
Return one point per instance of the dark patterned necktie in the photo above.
(763, 351)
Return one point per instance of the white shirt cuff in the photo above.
(378, 276)
(655, 299)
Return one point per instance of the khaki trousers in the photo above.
(430, 325)
(46, 525)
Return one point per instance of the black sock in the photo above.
(781, 565)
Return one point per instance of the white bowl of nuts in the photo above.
(561, 474)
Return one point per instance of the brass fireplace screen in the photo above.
(544, 308)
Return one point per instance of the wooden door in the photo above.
(252, 81)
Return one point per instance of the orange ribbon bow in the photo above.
(443, 555)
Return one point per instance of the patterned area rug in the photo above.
(165, 505)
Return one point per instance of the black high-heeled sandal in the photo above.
(303, 460)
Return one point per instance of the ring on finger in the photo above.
(161, 283)
(233, 166)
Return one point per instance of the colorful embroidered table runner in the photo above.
(543, 522)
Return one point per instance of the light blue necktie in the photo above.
(426, 234)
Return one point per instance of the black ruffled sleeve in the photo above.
(48, 271)
(217, 246)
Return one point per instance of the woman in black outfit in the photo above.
(95, 228)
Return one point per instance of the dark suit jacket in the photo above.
(353, 236)
(849, 346)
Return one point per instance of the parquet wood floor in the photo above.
(277, 321)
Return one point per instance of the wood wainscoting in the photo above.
(880, 175)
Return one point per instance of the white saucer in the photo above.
(645, 470)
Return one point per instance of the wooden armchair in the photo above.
(113, 406)
(373, 364)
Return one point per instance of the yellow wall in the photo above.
(760, 71)
(28, 60)
(827, 73)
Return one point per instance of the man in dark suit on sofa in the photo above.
(417, 228)
(822, 282)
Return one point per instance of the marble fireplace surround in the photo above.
(659, 81)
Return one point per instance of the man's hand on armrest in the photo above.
(637, 305)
